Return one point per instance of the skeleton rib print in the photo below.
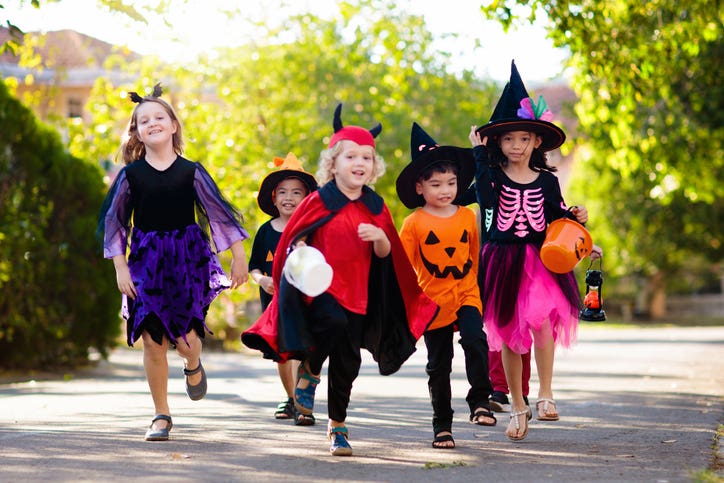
(521, 209)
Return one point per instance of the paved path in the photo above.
(637, 405)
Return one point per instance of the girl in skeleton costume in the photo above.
(170, 275)
(523, 302)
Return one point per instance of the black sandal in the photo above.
(303, 419)
(285, 409)
(443, 438)
(486, 413)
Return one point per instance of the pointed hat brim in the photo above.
(553, 136)
(505, 117)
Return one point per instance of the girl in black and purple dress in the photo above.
(172, 274)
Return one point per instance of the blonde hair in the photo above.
(132, 149)
(326, 162)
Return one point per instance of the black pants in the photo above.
(337, 335)
(439, 343)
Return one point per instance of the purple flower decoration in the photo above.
(534, 112)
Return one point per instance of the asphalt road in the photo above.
(638, 405)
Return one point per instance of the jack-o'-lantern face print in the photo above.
(443, 259)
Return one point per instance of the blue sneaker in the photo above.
(340, 445)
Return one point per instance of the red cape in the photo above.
(398, 311)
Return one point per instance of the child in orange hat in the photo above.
(280, 193)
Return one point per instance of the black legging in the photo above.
(337, 335)
(439, 343)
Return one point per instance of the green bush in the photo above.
(57, 294)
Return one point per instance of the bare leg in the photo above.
(155, 363)
(513, 365)
(191, 354)
(287, 374)
(544, 357)
(335, 424)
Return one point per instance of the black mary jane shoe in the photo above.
(198, 391)
(159, 434)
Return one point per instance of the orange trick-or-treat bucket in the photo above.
(567, 242)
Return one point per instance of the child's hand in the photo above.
(368, 232)
(377, 236)
(267, 284)
(475, 139)
(596, 252)
(123, 276)
(239, 267)
(581, 214)
(125, 284)
(239, 272)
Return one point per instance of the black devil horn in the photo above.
(337, 122)
(157, 90)
(376, 130)
(135, 97)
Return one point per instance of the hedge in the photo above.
(58, 298)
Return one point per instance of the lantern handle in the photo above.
(600, 263)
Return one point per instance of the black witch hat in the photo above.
(426, 152)
(517, 111)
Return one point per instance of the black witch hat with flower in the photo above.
(517, 111)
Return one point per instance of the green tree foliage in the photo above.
(373, 57)
(651, 111)
(55, 290)
(243, 106)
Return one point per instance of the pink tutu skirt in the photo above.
(521, 297)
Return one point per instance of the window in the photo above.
(75, 108)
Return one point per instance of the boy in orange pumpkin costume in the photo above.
(441, 240)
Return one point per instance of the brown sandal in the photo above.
(515, 416)
(543, 414)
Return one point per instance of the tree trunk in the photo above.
(657, 295)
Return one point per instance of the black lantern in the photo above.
(593, 302)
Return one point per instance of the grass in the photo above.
(715, 472)
(438, 466)
(706, 476)
(616, 323)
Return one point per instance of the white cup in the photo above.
(307, 270)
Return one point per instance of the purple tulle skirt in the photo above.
(522, 297)
(177, 276)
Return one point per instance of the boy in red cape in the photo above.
(374, 300)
